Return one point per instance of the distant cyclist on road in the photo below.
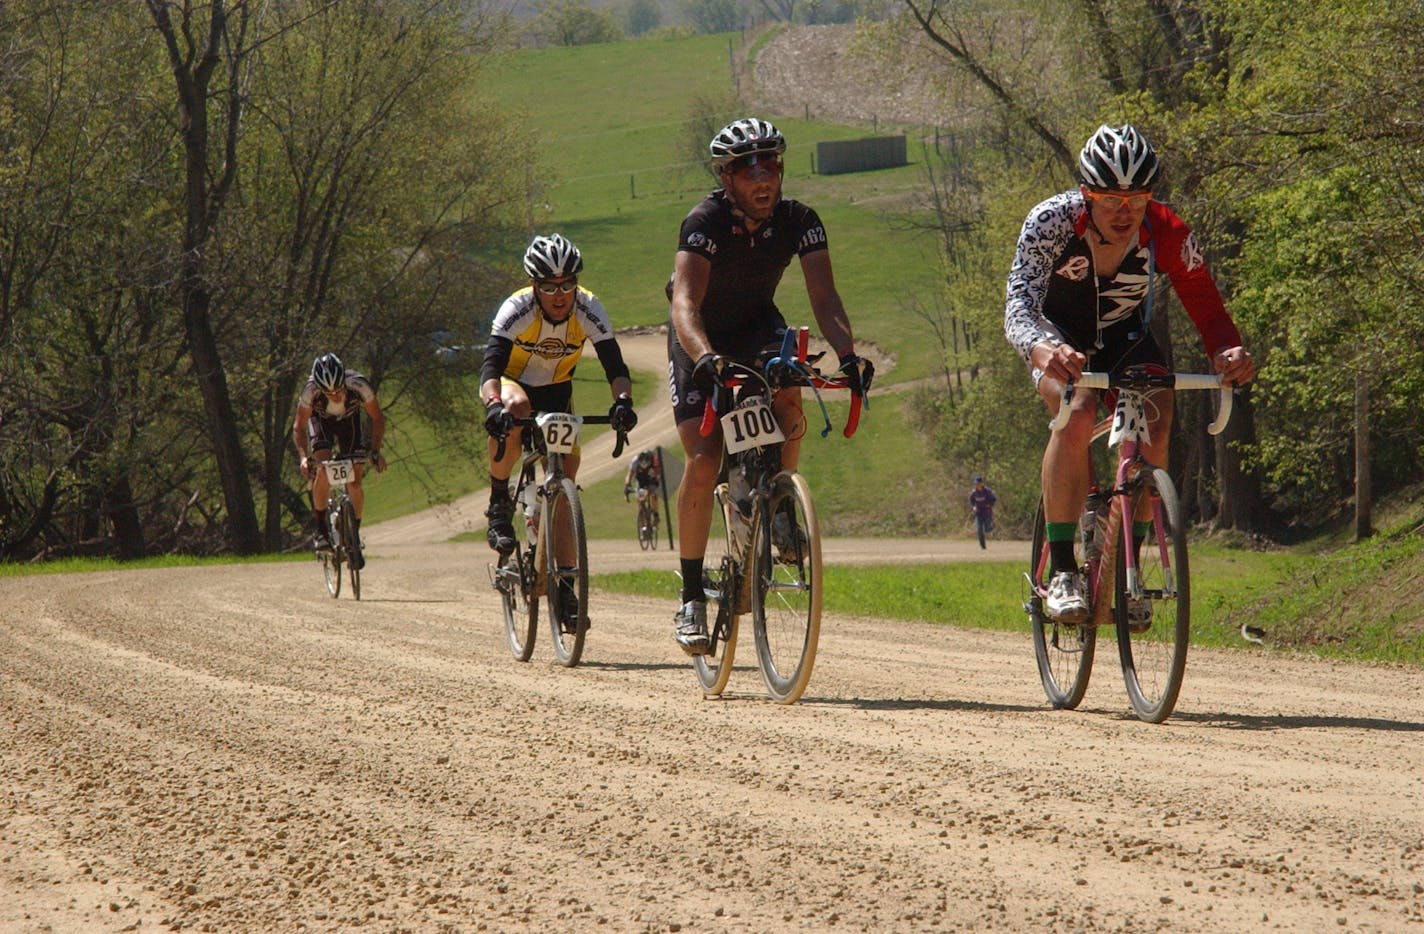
(1080, 296)
(646, 473)
(732, 251)
(329, 413)
(535, 342)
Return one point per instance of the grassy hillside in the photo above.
(605, 125)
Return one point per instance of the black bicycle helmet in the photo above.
(328, 372)
(1118, 159)
(745, 137)
(552, 257)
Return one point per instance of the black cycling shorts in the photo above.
(687, 400)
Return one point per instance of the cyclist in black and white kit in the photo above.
(329, 413)
(1079, 293)
(733, 249)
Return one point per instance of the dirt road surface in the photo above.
(229, 749)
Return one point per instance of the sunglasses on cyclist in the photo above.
(768, 161)
(1114, 202)
(549, 288)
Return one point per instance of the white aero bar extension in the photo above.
(1177, 381)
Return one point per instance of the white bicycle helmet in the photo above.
(552, 257)
(745, 137)
(328, 372)
(1118, 159)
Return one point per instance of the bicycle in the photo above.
(1144, 588)
(341, 525)
(764, 549)
(647, 521)
(532, 570)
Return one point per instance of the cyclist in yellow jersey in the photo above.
(535, 342)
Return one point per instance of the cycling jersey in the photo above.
(746, 267)
(358, 393)
(527, 347)
(1054, 294)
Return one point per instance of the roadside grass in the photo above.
(84, 565)
(1229, 587)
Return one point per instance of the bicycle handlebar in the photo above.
(620, 440)
(1137, 379)
(790, 368)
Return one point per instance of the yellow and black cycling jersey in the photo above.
(527, 347)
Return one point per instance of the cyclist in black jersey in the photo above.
(733, 249)
(329, 413)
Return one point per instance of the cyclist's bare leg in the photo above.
(694, 495)
(792, 419)
(516, 402)
(1160, 412)
(319, 485)
(1065, 459)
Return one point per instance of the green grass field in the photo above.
(606, 125)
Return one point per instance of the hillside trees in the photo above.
(1290, 145)
(333, 198)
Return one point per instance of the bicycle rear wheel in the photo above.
(720, 585)
(1153, 645)
(1064, 651)
(568, 631)
(786, 588)
(513, 577)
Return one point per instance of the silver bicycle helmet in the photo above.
(745, 137)
(552, 257)
(328, 372)
(1118, 159)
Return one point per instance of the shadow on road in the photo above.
(1236, 721)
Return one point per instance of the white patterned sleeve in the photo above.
(1046, 231)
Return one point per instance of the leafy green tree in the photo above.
(574, 22)
(641, 16)
(713, 16)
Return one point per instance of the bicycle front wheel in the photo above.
(568, 615)
(720, 584)
(330, 563)
(349, 545)
(1064, 650)
(645, 527)
(1153, 629)
(786, 588)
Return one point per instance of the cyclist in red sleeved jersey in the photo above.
(1080, 296)
(733, 248)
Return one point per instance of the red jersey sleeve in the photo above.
(1179, 256)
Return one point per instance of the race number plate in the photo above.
(752, 425)
(561, 431)
(339, 472)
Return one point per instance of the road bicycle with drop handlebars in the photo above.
(1140, 584)
(764, 548)
(550, 556)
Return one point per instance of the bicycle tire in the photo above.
(645, 532)
(719, 584)
(786, 589)
(1154, 658)
(568, 646)
(1064, 651)
(330, 561)
(348, 536)
(652, 529)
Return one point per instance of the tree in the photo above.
(574, 22)
(641, 16)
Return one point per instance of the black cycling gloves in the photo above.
(621, 415)
(498, 421)
(858, 373)
(706, 373)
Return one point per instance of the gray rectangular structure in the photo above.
(860, 155)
